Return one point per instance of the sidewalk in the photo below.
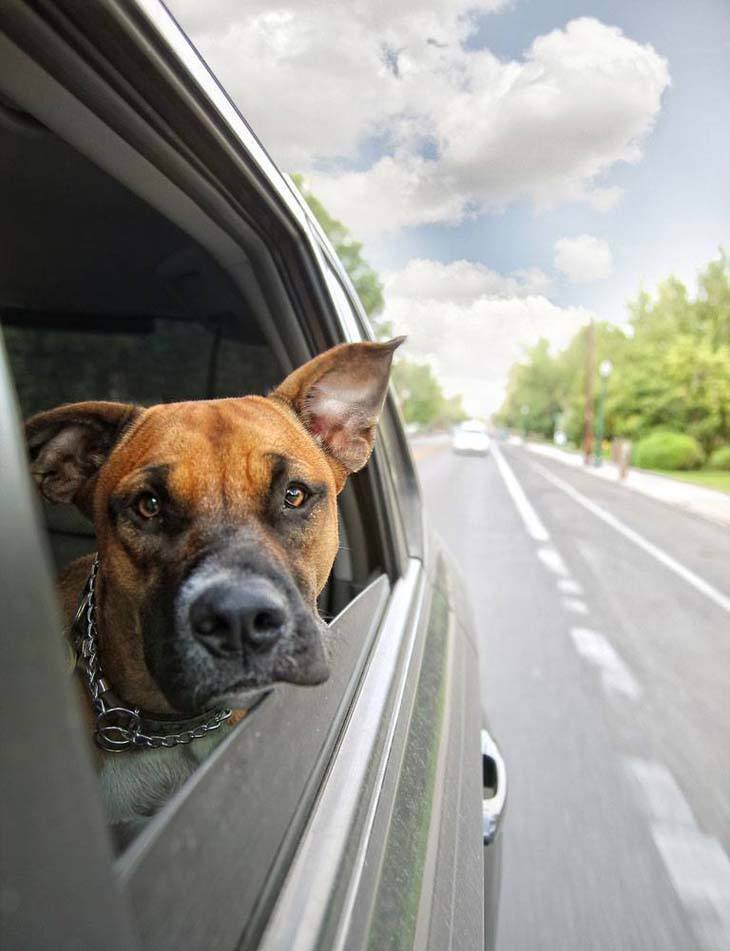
(692, 498)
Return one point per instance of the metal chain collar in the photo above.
(119, 728)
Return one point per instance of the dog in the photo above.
(216, 527)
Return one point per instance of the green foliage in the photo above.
(720, 459)
(421, 398)
(364, 279)
(665, 450)
(671, 369)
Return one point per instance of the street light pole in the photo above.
(605, 372)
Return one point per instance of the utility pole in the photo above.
(588, 405)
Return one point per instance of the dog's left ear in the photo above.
(339, 396)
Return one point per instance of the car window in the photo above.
(103, 298)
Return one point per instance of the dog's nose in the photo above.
(227, 618)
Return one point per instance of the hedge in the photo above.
(665, 450)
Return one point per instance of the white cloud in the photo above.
(315, 78)
(461, 281)
(545, 129)
(472, 324)
(460, 131)
(584, 258)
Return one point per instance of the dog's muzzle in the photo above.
(239, 624)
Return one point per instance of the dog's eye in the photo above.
(295, 496)
(148, 505)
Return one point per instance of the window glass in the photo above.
(143, 360)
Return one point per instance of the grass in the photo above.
(710, 480)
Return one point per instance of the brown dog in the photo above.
(216, 526)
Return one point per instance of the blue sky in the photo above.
(513, 167)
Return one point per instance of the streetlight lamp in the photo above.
(604, 371)
(524, 410)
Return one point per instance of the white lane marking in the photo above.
(550, 557)
(661, 556)
(615, 675)
(697, 865)
(661, 797)
(535, 528)
(568, 586)
(575, 605)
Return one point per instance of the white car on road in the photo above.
(470, 437)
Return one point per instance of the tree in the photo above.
(535, 386)
(421, 398)
(364, 279)
(672, 372)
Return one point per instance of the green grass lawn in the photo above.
(711, 480)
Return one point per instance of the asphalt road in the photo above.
(605, 632)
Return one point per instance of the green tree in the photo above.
(421, 398)
(364, 279)
(671, 372)
(535, 386)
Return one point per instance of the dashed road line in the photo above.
(596, 650)
(575, 605)
(661, 556)
(696, 863)
(535, 528)
(550, 557)
(568, 586)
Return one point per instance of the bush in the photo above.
(668, 451)
(720, 459)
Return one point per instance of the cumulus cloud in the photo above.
(472, 323)
(459, 130)
(583, 259)
(315, 78)
(461, 281)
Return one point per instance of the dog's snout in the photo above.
(229, 618)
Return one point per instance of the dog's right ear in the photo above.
(69, 444)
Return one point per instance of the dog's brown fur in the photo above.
(218, 456)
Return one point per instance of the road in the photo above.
(604, 620)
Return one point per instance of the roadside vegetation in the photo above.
(422, 401)
(669, 389)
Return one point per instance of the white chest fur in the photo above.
(135, 785)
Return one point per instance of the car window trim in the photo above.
(331, 854)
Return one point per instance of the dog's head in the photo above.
(216, 525)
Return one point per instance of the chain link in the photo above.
(117, 727)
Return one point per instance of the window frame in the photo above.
(68, 69)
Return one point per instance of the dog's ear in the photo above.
(339, 396)
(69, 444)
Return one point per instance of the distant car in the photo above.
(470, 438)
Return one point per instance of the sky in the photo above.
(514, 168)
